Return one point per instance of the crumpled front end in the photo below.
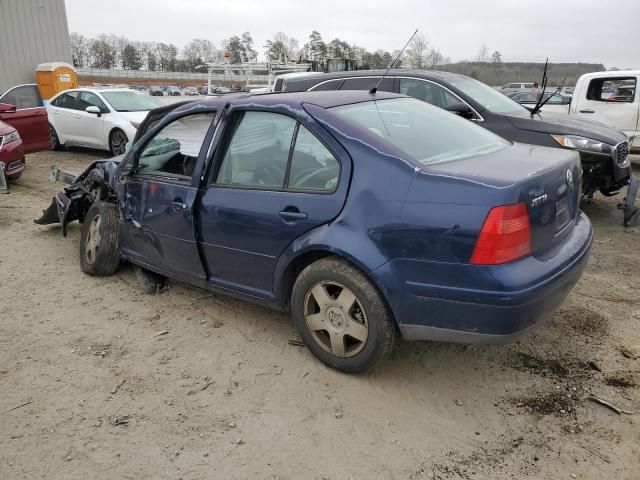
(73, 201)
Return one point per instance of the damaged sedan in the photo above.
(368, 216)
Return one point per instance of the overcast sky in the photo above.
(596, 31)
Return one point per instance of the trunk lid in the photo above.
(547, 180)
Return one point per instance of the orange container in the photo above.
(55, 77)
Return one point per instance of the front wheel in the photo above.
(118, 142)
(342, 317)
(99, 254)
(55, 141)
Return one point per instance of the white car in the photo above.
(106, 119)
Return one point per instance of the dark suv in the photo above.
(603, 150)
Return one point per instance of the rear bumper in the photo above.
(495, 304)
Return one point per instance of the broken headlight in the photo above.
(583, 143)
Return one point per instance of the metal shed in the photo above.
(31, 32)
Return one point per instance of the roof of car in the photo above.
(402, 72)
(612, 73)
(324, 99)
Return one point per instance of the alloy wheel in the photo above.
(93, 240)
(336, 319)
(118, 142)
(54, 138)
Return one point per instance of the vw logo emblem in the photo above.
(569, 178)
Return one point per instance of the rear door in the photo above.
(30, 117)
(63, 111)
(275, 179)
(158, 197)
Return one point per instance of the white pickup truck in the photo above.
(611, 98)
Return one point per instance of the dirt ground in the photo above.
(89, 390)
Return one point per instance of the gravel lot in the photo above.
(88, 391)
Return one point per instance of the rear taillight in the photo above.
(505, 236)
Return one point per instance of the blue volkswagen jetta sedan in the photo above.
(367, 216)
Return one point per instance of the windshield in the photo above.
(131, 101)
(486, 96)
(426, 133)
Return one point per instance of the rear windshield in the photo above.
(426, 133)
(131, 101)
(486, 96)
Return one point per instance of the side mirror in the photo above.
(566, 100)
(461, 109)
(93, 109)
(7, 108)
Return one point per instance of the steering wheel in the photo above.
(269, 174)
(306, 178)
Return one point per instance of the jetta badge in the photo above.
(569, 178)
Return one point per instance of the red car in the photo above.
(22, 109)
(11, 151)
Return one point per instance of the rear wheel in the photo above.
(342, 317)
(99, 240)
(55, 141)
(118, 142)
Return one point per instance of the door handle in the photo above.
(587, 111)
(291, 214)
(77, 116)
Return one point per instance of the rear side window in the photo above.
(427, 92)
(367, 83)
(612, 89)
(271, 151)
(313, 166)
(257, 151)
(25, 96)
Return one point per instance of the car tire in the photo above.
(14, 177)
(55, 140)
(99, 254)
(118, 142)
(347, 304)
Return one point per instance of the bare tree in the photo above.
(483, 54)
(418, 52)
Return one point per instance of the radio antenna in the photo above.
(375, 89)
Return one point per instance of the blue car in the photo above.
(369, 217)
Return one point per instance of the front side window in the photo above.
(427, 92)
(25, 96)
(329, 85)
(257, 150)
(425, 133)
(173, 151)
(313, 166)
(88, 99)
(66, 100)
(487, 97)
(615, 89)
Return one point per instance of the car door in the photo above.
(598, 105)
(89, 127)
(29, 118)
(274, 180)
(160, 191)
(62, 115)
